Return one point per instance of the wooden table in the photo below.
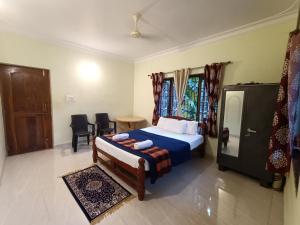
(126, 123)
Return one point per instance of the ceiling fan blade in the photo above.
(147, 7)
(135, 33)
(136, 18)
(164, 34)
(150, 37)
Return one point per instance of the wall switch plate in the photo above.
(70, 99)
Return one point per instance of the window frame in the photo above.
(201, 78)
(170, 106)
(170, 100)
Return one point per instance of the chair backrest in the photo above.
(102, 119)
(79, 122)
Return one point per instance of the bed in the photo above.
(133, 169)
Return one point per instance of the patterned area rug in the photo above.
(96, 192)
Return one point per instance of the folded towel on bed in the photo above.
(120, 137)
(143, 144)
(158, 158)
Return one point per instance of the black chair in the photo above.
(102, 122)
(79, 125)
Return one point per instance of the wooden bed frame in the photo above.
(135, 177)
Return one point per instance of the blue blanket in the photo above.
(179, 151)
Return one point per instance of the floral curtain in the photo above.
(157, 81)
(180, 80)
(213, 77)
(286, 130)
(294, 92)
(294, 105)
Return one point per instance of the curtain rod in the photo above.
(199, 67)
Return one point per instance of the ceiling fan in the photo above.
(137, 16)
(136, 33)
(161, 34)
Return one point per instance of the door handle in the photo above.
(251, 131)
(44, 107)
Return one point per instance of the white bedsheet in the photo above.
(132, 160)
(121, 155)
(193, 140)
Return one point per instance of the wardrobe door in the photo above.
(231, 119)
(260, 103)
(27, 105)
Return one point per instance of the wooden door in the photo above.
(27, 108)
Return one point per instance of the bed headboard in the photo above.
(202, 125)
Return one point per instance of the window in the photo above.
(195, 103)
(168, 100)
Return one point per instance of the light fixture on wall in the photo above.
(89, 71)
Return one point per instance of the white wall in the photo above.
(2, 141)
(257, 55)
(98, 83)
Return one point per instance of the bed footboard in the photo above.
(137, 181)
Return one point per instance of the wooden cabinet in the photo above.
(27, 108)
(245, 128)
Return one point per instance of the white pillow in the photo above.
(180, 126)
(165, 123)
(162, 122)
(192, 127)
(176, 126)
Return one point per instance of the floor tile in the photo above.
(194, 193)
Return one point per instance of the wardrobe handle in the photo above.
(251, 131)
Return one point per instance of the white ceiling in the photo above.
(105, 25)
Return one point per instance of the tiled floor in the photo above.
(31, 193)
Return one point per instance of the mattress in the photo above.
(132, 160)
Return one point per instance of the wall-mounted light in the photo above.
(89, 71)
